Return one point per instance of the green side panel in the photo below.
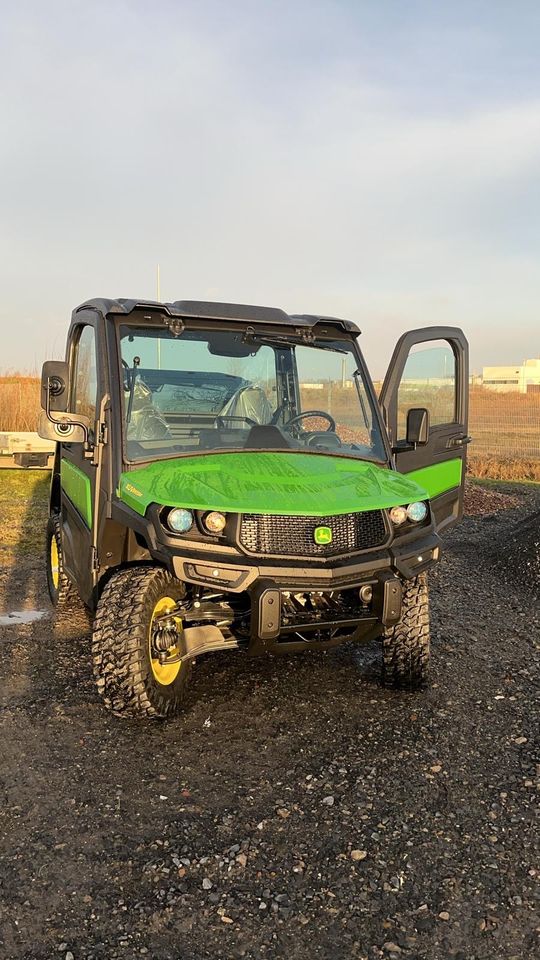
(439, 477)
(308, 485)
(76, 485)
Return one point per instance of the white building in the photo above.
(523, 379)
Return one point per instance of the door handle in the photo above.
(460, 441)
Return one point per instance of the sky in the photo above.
(374, 160)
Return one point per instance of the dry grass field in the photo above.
(19, 402)
(486, 467)
(24, 496)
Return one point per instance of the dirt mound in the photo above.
(517, 554)
(512, 546)
(480, 500)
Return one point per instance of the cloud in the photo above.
(271, 158)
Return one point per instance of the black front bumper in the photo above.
(405, 558)
(385, 570)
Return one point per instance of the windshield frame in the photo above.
(323, 331)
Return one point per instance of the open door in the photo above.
(77, 466)
(425, 399)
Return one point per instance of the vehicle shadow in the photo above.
(310, 677)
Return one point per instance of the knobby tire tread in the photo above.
(120, 642)
(406, 646)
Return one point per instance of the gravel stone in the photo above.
(358, 854)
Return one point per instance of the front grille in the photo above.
(294, 536)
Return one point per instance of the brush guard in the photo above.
(281, 619)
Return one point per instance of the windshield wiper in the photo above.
(359, 383)
(132, 381)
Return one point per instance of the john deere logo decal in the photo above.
(322, 536)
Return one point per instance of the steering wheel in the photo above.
(312, 413)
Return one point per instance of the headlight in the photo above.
(398, 515)
(417, 511)
(180, 520)
(214, 522)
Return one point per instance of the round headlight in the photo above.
(398, 515)
(214, 522)
(417, 511)
(180, 520)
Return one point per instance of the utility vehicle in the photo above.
(226, 479)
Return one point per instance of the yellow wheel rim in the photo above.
(165, 673)
(55, 563)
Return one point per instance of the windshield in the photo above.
(207, 390)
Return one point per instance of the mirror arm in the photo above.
(62, 419)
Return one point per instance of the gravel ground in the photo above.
(297, 810)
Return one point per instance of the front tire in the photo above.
(129, 675)
(406, 645)
(61, 590)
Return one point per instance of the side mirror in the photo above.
(56, 422)
(55, 385)
(63, 429)
(417, 426)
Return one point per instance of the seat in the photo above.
(250, 402)
(147, 422)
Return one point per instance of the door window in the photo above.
(428, 380)
(84, 381)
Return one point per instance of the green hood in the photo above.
(299, 484)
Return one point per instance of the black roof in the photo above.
(214, 311)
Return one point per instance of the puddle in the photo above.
(20, 616)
